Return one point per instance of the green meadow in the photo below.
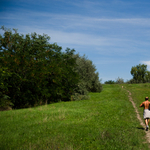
(139, 92)
(105, 122)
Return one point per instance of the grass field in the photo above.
(139, 92)
(105, 122)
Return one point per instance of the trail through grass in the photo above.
(106, 121)
(139, 92)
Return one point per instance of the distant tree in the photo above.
(110, 82)
(119, 80)
(147, 76)
(131, 81)
(139, 73)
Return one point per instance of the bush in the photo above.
(5, 103)
(78, 96)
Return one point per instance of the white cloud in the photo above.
(71, 20)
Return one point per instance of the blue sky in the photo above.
(114, 34)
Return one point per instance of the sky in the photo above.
(113, 34)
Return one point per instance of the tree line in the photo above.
(140, 75)
(34, 72)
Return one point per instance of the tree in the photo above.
(36, 72)
(39, 72)
(89, 78)
(139, 73)
(119, 80)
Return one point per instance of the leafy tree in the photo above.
(139, 73)
(89, 78)
(40, 72)
(35, 72)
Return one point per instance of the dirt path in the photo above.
(139, 118)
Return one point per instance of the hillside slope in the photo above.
(106, 121)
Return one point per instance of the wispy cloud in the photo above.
(74, 20)
(118, 34)
(83, 24)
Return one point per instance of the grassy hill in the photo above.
(106, 121)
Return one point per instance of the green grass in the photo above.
(106, 121)
(139, 92)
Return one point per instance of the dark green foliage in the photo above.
(110, 82)
(118, 81)
(37, 72)
(4, 98)
(139, 73)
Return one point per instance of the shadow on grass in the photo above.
(141, 128)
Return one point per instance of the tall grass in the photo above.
(106, 121)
